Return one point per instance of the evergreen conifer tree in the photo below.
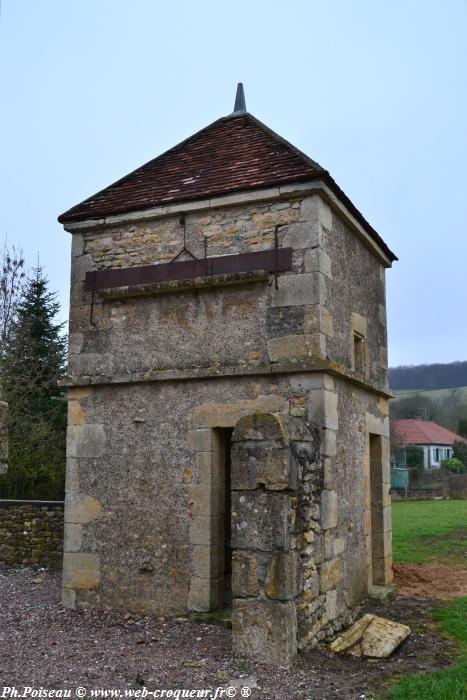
(33, 362)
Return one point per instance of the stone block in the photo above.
(380, 517)
(331, 605)
(208, 561)
(298, 236)
(71, 475)
(288, 348)
(330, 574)
(359, 324)
(264, 631)
(302, 383)
(72, 537)
(380, 496)
(383, 405)
(376, 425)
(206, 500)
(254, 464)
(80, 571)
(382, 315)
(244, 575)
(81, 508)
(222, 415)
(200, 439)
(322, 409)
(81, 265)
(316, 260)
(203, 463)
(68, 598)
(75, 343)
(205, 594)
(318, 319)
(319, 549)
(206, 530)
(382, 574)
(383, 356)
(315, 209)
(260, 427)
(79, 392)
(77, 245)
(328, 509)
(338, 546)
(261, 521)
(91, 364)
(75, 413)
(283, 576)
(327, 472)
(85, 441)
(313, 584)
(297, 290)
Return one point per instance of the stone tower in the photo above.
(228, 400)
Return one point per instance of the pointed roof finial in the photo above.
(240, 105)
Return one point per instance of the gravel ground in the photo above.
(45, 646)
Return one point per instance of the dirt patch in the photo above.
(431, 580)
(44, 645)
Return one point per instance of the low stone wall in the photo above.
(438, 483)
(457, 486)
(417, 494)
(31, 533)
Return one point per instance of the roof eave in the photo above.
(319, 184)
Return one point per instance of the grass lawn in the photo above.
(424, 531)
(449, 684)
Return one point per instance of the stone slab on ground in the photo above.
(372, 636)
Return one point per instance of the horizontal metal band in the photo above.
(274, 260)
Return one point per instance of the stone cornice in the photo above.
(218, 372)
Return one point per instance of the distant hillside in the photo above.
(436, 376)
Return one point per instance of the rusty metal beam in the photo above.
(279, 260)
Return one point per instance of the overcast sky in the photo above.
(376, 92)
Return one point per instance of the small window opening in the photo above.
(359, 353)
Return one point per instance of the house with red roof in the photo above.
(437, 442)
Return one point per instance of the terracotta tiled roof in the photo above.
(237, 153)
(424, 432)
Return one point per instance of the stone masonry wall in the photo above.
(154, 378)
(261, 324)
(355, 300)
(31, 533)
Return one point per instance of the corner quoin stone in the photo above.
(85, 441)
(265, 630)
(80, 570)
(297, 290)
(81, 508)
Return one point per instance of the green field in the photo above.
(448, 684)
(426, 531)
(460, 391)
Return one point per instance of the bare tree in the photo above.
(12, 278)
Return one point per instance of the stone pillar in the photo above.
(268, 452)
